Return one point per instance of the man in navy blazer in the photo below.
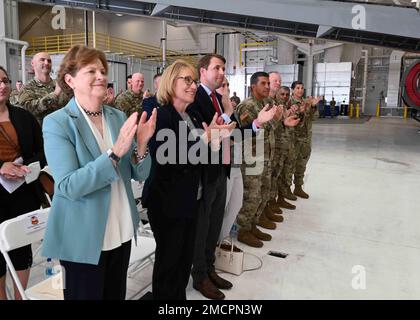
(150, 103)
(211, 69)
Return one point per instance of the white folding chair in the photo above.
(137, 188)
(21, 231)
(141, 255)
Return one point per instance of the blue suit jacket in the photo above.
(149, 104)
(83, 177)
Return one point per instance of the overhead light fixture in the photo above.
(119, 14)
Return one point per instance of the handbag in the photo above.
(229, 258)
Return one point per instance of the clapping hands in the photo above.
(144, 130)
(215, 132)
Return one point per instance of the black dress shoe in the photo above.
(208, 289)
(219, 282)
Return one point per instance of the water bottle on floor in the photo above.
(234, 232)
(49, 268)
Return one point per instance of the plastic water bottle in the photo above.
(49, 268)
(234, 231)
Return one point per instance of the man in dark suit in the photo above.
(150, 102)
(211, 69)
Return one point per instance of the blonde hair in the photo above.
(76, 58)
(166, 91)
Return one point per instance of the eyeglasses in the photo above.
(6, 81)
(189, 80)
(225, 85)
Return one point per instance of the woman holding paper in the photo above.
(20, 145)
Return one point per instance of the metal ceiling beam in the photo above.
(324, 30)
(158, 9)
(334, 20)
(399, 21)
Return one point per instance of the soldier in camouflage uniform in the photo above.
(281, 147)
(303, 134)
(130, 101)
(284, 150)
(14, 95)
(288, 140)
(256, 187)
(42, 95)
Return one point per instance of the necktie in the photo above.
(215, 103)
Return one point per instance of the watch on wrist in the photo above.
(113, 156)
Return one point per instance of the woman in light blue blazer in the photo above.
(93, 156)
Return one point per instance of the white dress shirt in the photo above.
(119, 227)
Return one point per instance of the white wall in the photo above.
(149, 31)
(333, 54)
(352, 53)
(285, 52)
(136, 29)
(180, 39)
(42, 27)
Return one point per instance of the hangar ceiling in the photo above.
(389, 23)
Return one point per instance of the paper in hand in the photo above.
(12, 185)
(35, 168)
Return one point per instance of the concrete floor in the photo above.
(357, 237)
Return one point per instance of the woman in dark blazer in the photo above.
(20, 137)
(174, 188)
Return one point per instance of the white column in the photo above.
(365, 73)
(94, 28)
(3, 46)
(164, 35)
(310, 70)
(394, 75)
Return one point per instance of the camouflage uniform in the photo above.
(129, 102)
(256, 187)
(39, 98)
(13, 99)
(332, 108)
(303, 145)
(289, 146)
(279, 150)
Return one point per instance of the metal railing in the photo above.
(62, 43)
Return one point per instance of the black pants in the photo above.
(105, 281)
(209, 223)
(14, 204)
(173, 256)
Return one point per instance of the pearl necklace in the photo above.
(93, 113)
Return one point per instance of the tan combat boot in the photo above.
(284, 204)
(300, 193)
(272, 216)
(259, 234)
(264, 222)
(274, 207)
(249, 238)
(289, 195)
